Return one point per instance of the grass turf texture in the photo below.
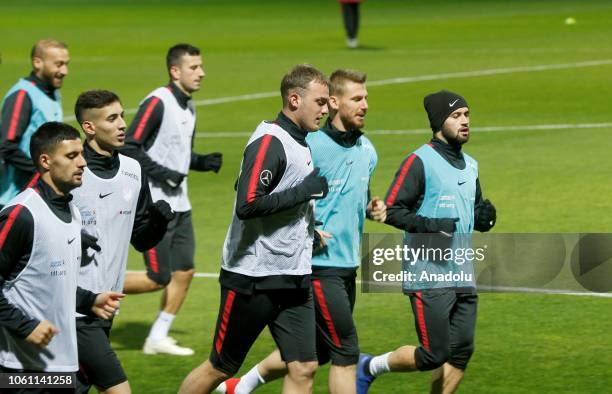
(540, 181)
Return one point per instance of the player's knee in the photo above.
(302, 370)
(426, 360)
(461, 356)
(159, 280)
(345, 359)
(184, 276)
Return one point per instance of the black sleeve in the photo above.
(16, 229)
(478, 210)
(146, 232)
(84, 301)
(16, 113)
(141, 135)
(478, 200)
(369, 198)
(405, 196)
(263, 166)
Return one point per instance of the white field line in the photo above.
(491, 288)
(537, 127)
(403, 80)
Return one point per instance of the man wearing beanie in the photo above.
(436, 191)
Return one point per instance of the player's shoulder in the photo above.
(267, 131)
(129, 161)
(16, 214)
(130, 167)
(156, 97)
(366, 143)
(317, 137)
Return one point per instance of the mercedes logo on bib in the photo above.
(265, 177)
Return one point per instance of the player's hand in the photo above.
(160, 212)
(314, 185)
(377, 209)
(89, 241)
(174, 179)
(106, 304)
(486, 216)
(210, 162)
(446, 226)
(42, 334)
(319, 243)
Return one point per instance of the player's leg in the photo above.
(176, 251)
(182, 262)
(267, 370)
(431, 309)
(350, 16)
(334, 300)
(99, 365)
(462, 327)
(240, 320)
(294, 331)
(157, 262)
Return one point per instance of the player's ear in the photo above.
(37, 64)
(88, 128)
(175, 72)
(44, 161)
(294, 100)
(332, 103)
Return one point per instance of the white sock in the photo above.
(380, 364)
(250, 381)
(162, 324)
(222, 388)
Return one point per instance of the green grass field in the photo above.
(552, 180)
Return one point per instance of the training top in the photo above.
(114, 202)
(26, 106)
(269, 241)
(405, 195)
(347, 160)
(45, 288)
(161, 138)
(108, 207)
(436, 181)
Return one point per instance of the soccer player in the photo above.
(161, 139)
(32, 101)
(350, 17)
(116, 208)
(347, 159)
(40, 254)
(437, 190)
(266, 263)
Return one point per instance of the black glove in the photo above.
(442, 225)
(210, 162)
(486, 216)
(313, 186)
(160, 212)
(174, 179)
(89, 241)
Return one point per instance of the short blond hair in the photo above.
(338, 79)
(38, 50)
(299, 77)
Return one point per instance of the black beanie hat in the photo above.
(440, 105)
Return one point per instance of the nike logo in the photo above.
(308, 162)
(453, 103)
(461, 183)
(104, 195)
(71, 240)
